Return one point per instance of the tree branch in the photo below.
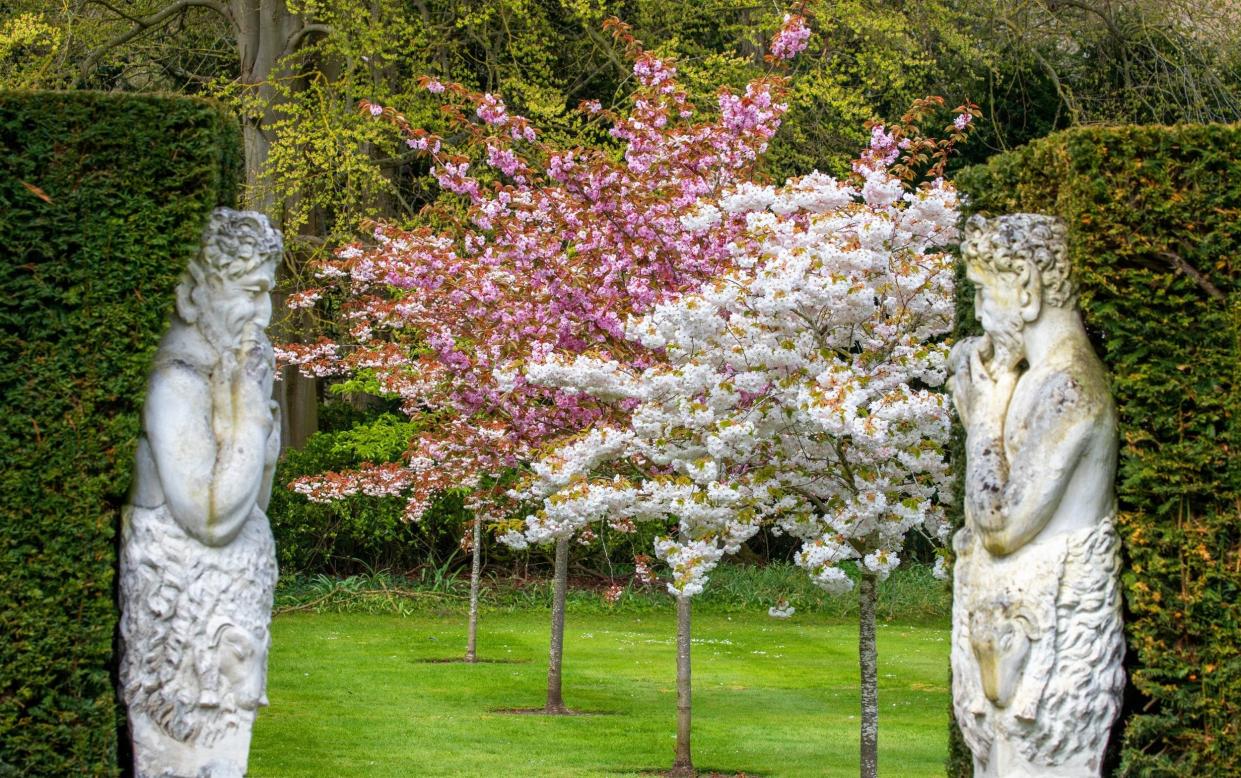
(295, 39)
(149, 22)
(1186, 269)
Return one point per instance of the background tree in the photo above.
(555, 247)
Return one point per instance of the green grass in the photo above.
(350, 696)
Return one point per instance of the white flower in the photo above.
(882, 190)
(881, 562)
(706, 216)
(800, 390)
(514, 539)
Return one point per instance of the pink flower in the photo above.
(791, 39)
(492, 110)
(652, 71)
(376, 109)
(962, 121)
(613, 593)
(503, 160)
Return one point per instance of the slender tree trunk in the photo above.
(555, 659)
(684, 763)
(471, 639)
(868, 662)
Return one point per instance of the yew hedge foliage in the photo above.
(1152, 214)
(102, 201)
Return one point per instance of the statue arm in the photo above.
(1012, 495)
(208, 441)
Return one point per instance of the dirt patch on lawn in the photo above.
(459, 661)
(701, 774)
(546, 712)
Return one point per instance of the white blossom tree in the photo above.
(798, 389)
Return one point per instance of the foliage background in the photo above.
(92, 239)
(1035, 66)
(1152, 214)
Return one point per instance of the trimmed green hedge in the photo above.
(1154, 215)
(103, 198)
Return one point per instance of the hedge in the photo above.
(1153, 216)
(103, 198)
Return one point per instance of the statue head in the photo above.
(1001, 637)
(235, 676)
(225, 291)
(1018, 264)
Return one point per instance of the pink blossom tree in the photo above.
(547, 250)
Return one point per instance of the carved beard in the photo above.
(229, 327)
(1008, 347)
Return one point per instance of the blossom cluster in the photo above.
(792, 38)
(554, 248)
(797, 388)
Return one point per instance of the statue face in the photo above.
(1003, 304)
(230, 308)
(243, 667)
(997, 301)
(1001, 647)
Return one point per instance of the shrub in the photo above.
(356, 534)
(1152, 215)
(102, 201)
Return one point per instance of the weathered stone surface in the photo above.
(1036, 636)
(198, 566)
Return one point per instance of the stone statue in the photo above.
(198, 566)
(1036, 630)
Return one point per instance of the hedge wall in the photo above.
(102, 201)
(1154, 215)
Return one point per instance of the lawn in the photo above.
(353, 695)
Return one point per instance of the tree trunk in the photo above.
(868, 663)
(684, 763)
(555, 659)
(296, 394)
(264, 29)
(266, 32)
(471, 635)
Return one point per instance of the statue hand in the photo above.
(959, 356)
(967, 383)
(1007, 353)
(258, 360)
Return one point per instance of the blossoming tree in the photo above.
(797, 388)
(547, 250)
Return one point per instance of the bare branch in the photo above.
(295, 40)
(1186, 269)
(148, 23)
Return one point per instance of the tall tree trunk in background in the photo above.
(684, 763)
(267, 32)
(868, 663)
(555, 659)
(471, 635)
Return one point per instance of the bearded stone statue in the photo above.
(198, 566)
(1037, 642)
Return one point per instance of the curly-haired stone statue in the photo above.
(198, 566)
(1036, 635)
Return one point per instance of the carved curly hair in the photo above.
(1011, 244)
(225, 239)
